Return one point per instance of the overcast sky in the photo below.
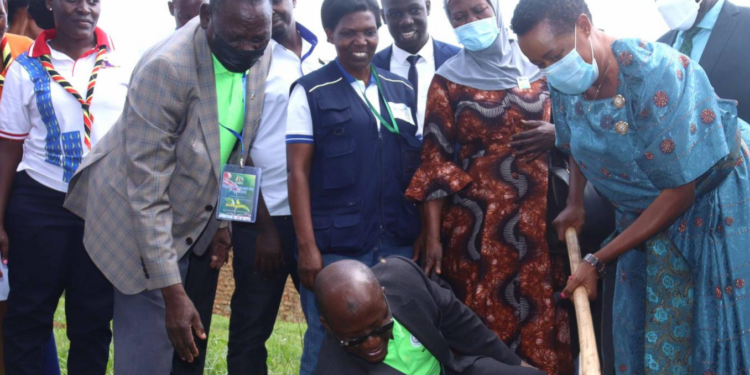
(136, 24)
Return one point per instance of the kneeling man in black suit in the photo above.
(392, 320)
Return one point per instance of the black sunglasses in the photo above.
(387, 327)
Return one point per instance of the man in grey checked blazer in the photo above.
(148, 191)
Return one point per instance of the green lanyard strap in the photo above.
(393, 126)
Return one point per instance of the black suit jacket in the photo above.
(433, 315)
(442, 52)
(726, 59)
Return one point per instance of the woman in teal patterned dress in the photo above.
(643, 124)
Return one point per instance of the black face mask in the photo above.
(234, 60)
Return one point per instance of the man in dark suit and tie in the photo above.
(718, 41)
(414, 54)
(392, 320)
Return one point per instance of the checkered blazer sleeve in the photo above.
(154, 112)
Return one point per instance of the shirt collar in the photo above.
(41, 47)
(350, 78)
(427, 52)
(308, 39)
(709, 20)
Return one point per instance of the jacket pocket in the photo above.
(333, 112)
(338, 232)
(322, 228)
(347, 231)
(339, 170)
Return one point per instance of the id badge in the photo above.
(523, 83)
(238, 196)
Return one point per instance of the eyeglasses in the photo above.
(387, 327)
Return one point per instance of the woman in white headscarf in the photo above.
(485, 201)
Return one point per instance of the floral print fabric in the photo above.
(678, 309)
(494, 222)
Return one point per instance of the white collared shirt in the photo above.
(425, 71)
(299, 126)
(269, 149)
(21, 120)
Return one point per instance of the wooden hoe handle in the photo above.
(589, 357)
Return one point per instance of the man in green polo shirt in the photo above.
(230, 100)
(393, 320)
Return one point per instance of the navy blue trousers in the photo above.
(47, 258)
(256, 300)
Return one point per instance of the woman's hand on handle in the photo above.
(573, 216)
(585, 276)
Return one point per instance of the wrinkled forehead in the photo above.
(239, 15)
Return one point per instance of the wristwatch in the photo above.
(600, 267)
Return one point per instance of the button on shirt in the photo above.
(269, 149)
(230, 101)
(21, 120)
(425, 69)
(299, 126)
(700, 40)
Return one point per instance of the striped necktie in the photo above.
(88, 117)
(687, 40)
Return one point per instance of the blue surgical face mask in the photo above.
(572, 75)
(478, 35)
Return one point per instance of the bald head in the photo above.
(352, 305)
(347, 287)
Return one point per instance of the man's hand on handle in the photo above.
(182, 319)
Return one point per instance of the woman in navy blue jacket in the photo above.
(352, 148)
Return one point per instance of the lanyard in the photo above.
(393, 126)
(241, 136)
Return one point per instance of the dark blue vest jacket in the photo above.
(359, 174)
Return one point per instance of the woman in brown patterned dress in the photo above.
(486, 206)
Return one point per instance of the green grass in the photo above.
(284, 347)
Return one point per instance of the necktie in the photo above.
(687, 40)
(413, 75)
